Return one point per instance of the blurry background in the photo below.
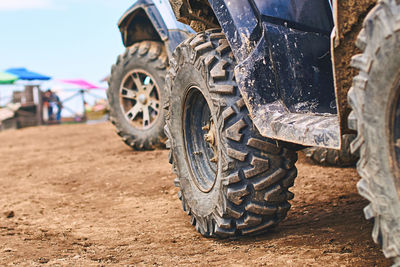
(64, 39)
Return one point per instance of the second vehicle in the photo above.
(136, 95)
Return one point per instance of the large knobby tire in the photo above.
(143, 64)
(334, 157)
(239, 184)
(374, 99)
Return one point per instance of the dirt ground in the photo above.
(76, 195)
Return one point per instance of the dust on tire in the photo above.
(370, 96)
(254, 174)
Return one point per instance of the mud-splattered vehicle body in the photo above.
(275, 77)
(286, 44)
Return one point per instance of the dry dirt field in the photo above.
(75, 195)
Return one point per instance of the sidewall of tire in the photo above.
(202, 203)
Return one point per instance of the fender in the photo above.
(343, 39)
(284, 69)
(143, 21)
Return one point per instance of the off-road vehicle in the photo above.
(136, 95)
(262, 79)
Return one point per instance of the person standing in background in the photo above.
(59, 106)
(52, 101)
(46, 104)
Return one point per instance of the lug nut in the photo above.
(398, 143)
(209, 138)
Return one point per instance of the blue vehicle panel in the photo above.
(284, 68)
(311, 15)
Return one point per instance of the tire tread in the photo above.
(249, 177)
(155, 54)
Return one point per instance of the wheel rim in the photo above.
(139, 99)
(200, 140)
(395, 136)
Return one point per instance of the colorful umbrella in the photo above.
(82, 84)
(6, 78)
(24, 74)
(83, 87)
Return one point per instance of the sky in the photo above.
(65, 39)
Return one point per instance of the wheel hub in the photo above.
(142, 99)
(139, 99)
(201, 140)
(210, 138)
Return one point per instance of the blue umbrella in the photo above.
(24, 74)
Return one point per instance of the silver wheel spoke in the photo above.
(132, 113)
(154, 104)
(137, 80)
(146, 117)
(149, 88)
(128, 93)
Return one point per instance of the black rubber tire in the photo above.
(250, 193)
(370, 97)
(151, 57)
(333, 157)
